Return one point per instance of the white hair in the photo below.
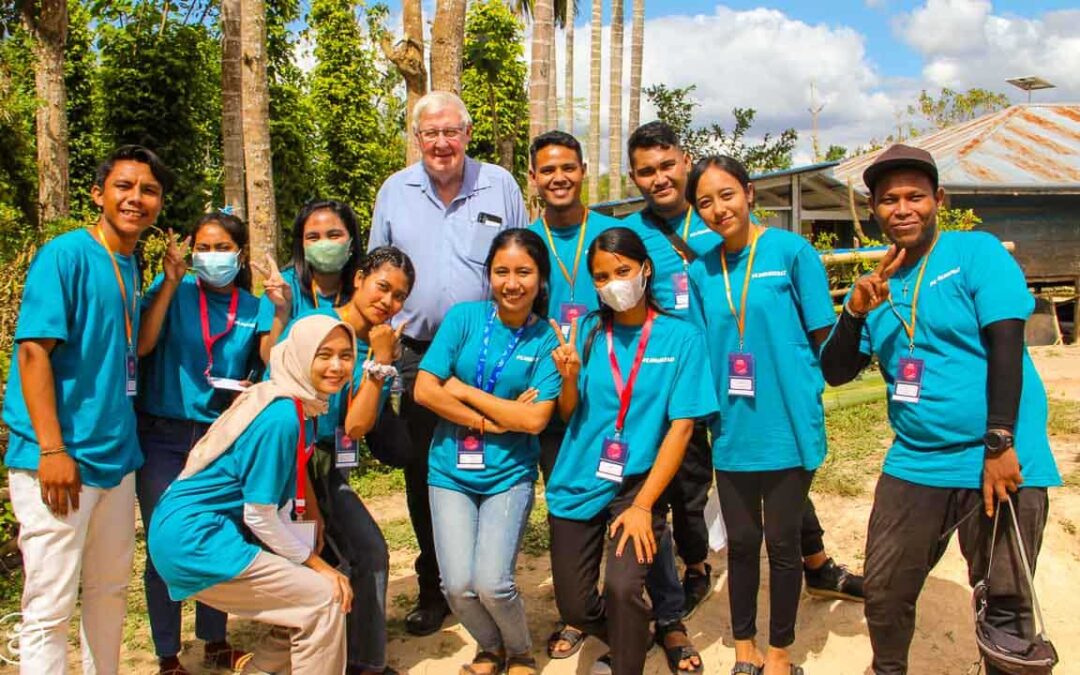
(439, 100)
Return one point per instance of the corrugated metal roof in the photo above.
(1024, 147)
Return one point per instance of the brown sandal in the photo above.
(483, 658)
(522, 664)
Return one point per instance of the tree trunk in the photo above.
(408, 57)
(447, 45)
(568, 94)
(594, 100)
(258, 161)
(553, 73)
(615, 103)
(540, 69)
(637, 46)
(47, 22)
(232, 117)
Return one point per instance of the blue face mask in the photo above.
(216, 268)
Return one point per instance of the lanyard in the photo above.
(570, 278)
(204, 316)
(315, 295)
(302, 456)
(481, 363)
(685, 234)
(121, 286)
(740, 314)
(625, 392)
(909, 328)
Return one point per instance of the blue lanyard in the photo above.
(481, 363)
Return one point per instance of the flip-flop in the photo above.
(567, 634)
(485, 659)
(676, 655)
(521, 665)
(745, 668)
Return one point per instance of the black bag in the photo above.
(389, 440)
(677, 242)
(1004, 651)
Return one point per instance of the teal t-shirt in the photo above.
(566, 245)
(670, 386)
(509, 458)
(970, 282)
(197, 537)
(783, 425)
(72, 296)
(173, 376)
(338, 404)
(302, 301)
(667, 263)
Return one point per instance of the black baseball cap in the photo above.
(900, 156)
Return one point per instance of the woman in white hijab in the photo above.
(250, 464)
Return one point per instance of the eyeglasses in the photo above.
(449, 133)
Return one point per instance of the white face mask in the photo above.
(623, 294)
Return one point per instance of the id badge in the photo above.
(908, 387)
(613, 456)
(470, 449)
(741, 374)
(569, 311)
(680, 283)
(346, 450)
(131, 372)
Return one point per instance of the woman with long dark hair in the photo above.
(490, 378)
(762, 300)
(631, 390)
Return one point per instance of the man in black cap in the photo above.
(945, 312)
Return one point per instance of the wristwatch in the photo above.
(997, 441)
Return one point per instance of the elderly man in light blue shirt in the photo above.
(443, 212)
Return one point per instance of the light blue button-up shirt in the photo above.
(447, 244)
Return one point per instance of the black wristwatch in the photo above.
(997, 441)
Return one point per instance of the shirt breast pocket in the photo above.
(481, 236)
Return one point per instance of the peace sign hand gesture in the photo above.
(175, 262)
(275, 286)
(567, 360)
(384, 341)
(873, 289)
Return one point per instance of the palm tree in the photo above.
(568, 66)
(258, 161)
(447, 45)
(615, 103)
(540, 71)
(232, 116)
(594, 100)
(637, 45)
(47, 23)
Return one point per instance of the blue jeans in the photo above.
(165, 445)
(477, 538)
(663, 584)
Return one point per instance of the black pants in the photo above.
(812, 532)
(621, 616)
(747, 498)
(910, 528)
(421, 424)
(687, 494)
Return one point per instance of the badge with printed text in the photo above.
(680, 284)
(131, 372)
(346, 450)
(568, 311)
(741, 374)
(613, 455)
(908, 387)
(470, 449)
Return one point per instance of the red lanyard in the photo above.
(302, 456)
(624, 393)
(204, 315)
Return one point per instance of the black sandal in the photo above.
(483, 659)
(675, 655)
(573, 636)
(745, 668)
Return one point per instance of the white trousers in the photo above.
(93, 545)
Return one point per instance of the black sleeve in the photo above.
(1005, 372)
(841, 360)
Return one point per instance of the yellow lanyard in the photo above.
(570, 278)
(909, 328)
(685, 234)
(315, 296)
(740, 314)
(121, 285)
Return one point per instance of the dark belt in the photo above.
(414, 345)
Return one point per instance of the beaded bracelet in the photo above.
(55, 451)
(379, 371)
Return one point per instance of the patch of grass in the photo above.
(537, 538)
(855, 434)
(1064, 418)
(400, 536)
(374, 479)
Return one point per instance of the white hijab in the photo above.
(290, 377)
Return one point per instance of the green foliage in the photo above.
(952, 107)
(359, 113)
(957, 220)
(676, 108)
(493, 84)
(85, 147)
(18, 168)
(835, 153)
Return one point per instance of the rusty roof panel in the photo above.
(1029, 145)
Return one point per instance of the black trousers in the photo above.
(910, 528)
(619, 617)
(421, 425)
(747, 500)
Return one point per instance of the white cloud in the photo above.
(945, 26)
